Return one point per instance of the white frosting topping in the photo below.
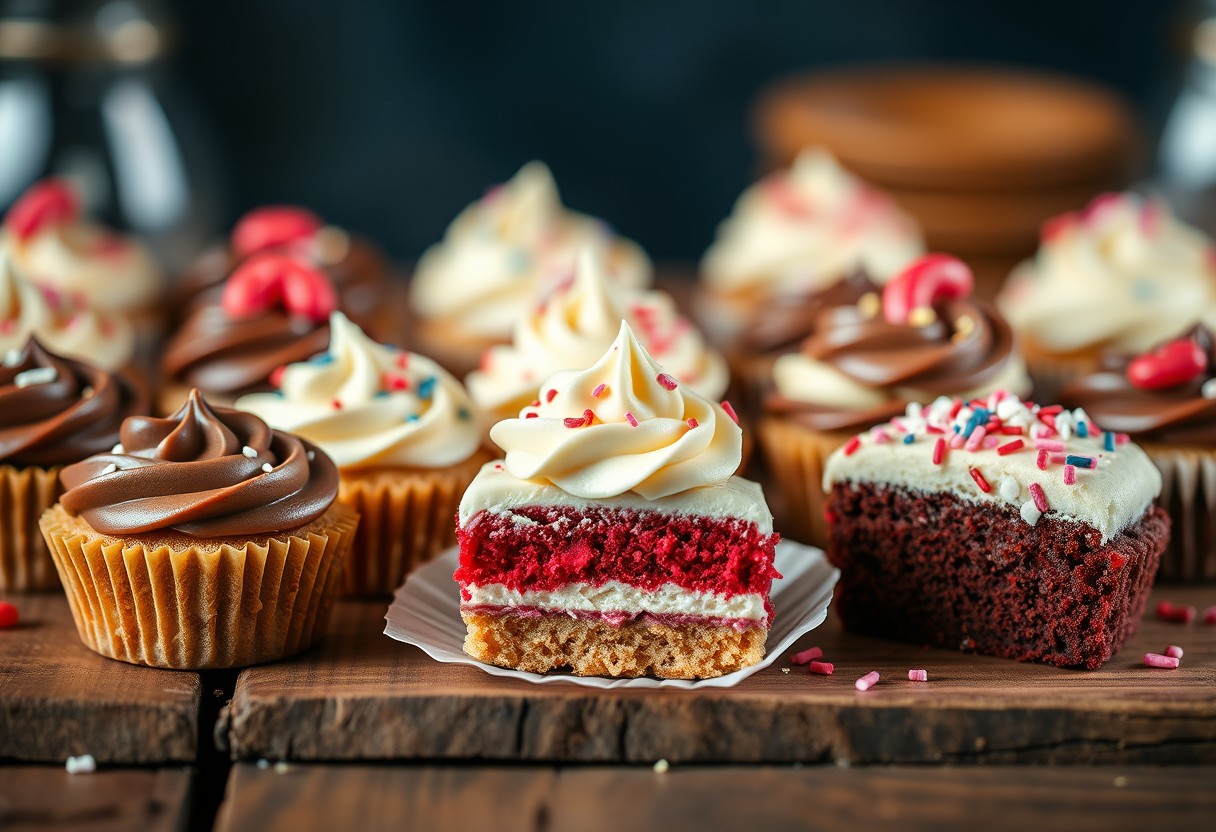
(502, 252)
(621, 425)
(574, 327)
(616, 597)
(495, 490)
(1110, 496)
(62, 326)
(806, 228)
(1124, 274)
(369, 405)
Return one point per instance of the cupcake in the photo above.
(575, 324)
(1038, 542)
(404, 435)
(353, 264)
(926, 337)
(204, 540)
(53, 411)
(497, 257)
(1120, 276)
(613, 538)
(273, 311)
(797, 242)
(1165, 399)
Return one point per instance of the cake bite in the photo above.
(995, 526)
(614, 539)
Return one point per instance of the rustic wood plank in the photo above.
(36, 797)
(325, 797)
(58, 699)
(364, 696)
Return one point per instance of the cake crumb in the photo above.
(661, 767)
(84, 764)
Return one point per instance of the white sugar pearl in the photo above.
(267, 467)
(1208, 390)
(1010, 489)
(249, 452)
(38, 375)
(1030, 512)
(84, 764)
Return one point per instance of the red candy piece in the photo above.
(267, 280)
(274, 226)
(1057, 226)
(50, 202)
(1168, 366)
(8, 615)
(932, 278)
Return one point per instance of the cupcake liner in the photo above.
(1188, 493)
(25, 562)
(405, 519)
(180, 603)
(795, 456)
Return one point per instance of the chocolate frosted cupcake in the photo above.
(926, 337)
(1165, 400)
(53, 411)
(204, 540)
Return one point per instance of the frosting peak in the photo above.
(621, 425)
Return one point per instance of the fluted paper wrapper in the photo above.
(795, 456)
(25, 562)
(1188, 493)
(183, 604)
(406, 518)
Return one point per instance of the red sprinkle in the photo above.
(822, 668)
(549, 395)
(1158, 660)
(403, 360)
(1178, 614)
(1011, 430)
(806, 656)
(730, 411)
(1174, 651)
(665, 381)
(939, 451)
(394, 382)
(852, 445)
(574, 422)
(8, 615)
(276, 375)
(531, 415)
(1036, 494)
(1070, 475)
(933, 429)
(534, 403)
(979, 480)
(1051, 410)
(692, 423)
(631, 419)
(1010, 447)
(337, 405)
(1209, 615)
(918, 675)
(598, 391)
(1041, 461)
(955, 408)
(589, 416)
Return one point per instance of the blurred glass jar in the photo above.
(85, 95)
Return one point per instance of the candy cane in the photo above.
(926, 281)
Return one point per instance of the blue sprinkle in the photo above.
(426, 388)
(413, 417)
(382, 394)
(1081, 461)
(910, 438)
(956, 428)
(463, 414)
(321, 358)
(1143, 289)
(1082, 430)
(518, 261)
(1108, 440)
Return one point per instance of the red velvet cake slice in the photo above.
(998, 527)
(613, 538)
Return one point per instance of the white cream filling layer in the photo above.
(616, 597)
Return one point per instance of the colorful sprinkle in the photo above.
(806, 656)
(1041, 460)
(1108, 441)
(979, 480)
(574, 421)
(939, 451)
(1010, 447)
(1011, 430)
(1070, 475)
(692, 423)
(549, 394)
(631, 419)
(1036, 494)
(391, 381)
(910, 438)
(531, 415)
(852, 445)
(977, 438)
(336, 404)
(665, 381)
(463, 414)
(1081, 461)
(403, 360)
(1173, 651)
(589, 416)
(730, 411)
(868, 681)
(918, 675)
(1176, 613)
(1049, 444)
(426, 387)
(1082, 430)
(598, 391)
(822, 668)
(1209, 615)
(1158, 660)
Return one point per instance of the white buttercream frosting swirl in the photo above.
(501, 252)
(370, 405)
(803, 229)
(574, 326)
(1124, 274)
(621, 425)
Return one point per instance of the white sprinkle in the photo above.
(281, 767)
(1208, 390)
(914, 410)
(118, 449)
(661, 767)
(38, 375)
(84, 764)
(109, 469)
(312, 455)
(267, 467)
(1010, 489)
(249, 452)
(12, 358)
(1030, 512)
(86, 392)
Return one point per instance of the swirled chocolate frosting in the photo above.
(56, 410)
(787, 320)
(203, 472)
(1179, 413)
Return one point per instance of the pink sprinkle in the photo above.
(1176, 613)
(822, 668)
(1158, 660)
(730, 411)
(692, 423)
(899, 425)
(1010, 447)
(1011, 430)
(1209, 615)
(549, 395)
(991, 442)
(868, 681)
(806, 656)
(1070, 475)
(1041, 460)
(1174, 651)
(977, 436)
(918, 675)
(665, 381)
(337, 405)
(957, 441)
(403, 360)
(1122, 438)
(631, 419)
(852, 445)
(933, 429)
(1036, 494)
(574, 422)
(598, 391)
(881, 437)
(980, 481)
(7, 326)
(1049, 444)
(939, 451)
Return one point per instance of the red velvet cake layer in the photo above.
(934, 569)
(616, 619)
(643, 549)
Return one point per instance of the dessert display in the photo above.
(1165, 399)
(273, 311)
(202, 540)
(404, 435)
(921, 336)
(995, 526)
(572, 327)
(499, 255)
(54, 411)
(1120, 276)
(613, 538)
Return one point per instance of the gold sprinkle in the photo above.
(869, 304)
(963, 327)
(922, 316)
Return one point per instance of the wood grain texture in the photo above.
(365, 696)
(106, 801)
(542, 799)
(59, 699)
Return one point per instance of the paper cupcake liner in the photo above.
(180, 603)
(406, 518)
(795, 456)
(1188, 494)
(25, 562)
